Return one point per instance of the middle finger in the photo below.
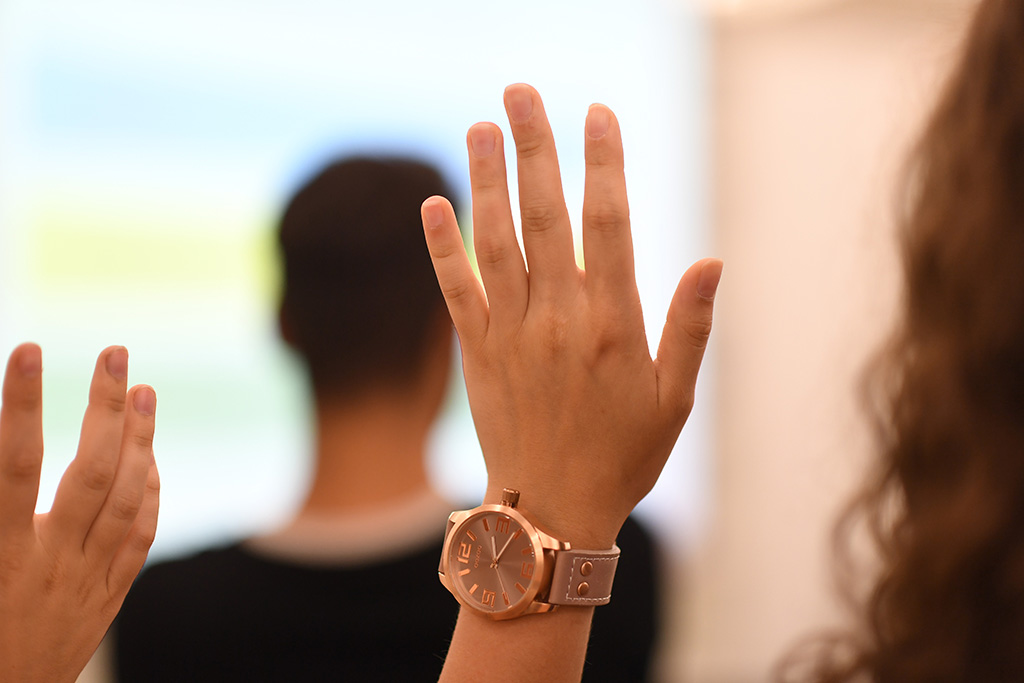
(87, 481)
(547, 235)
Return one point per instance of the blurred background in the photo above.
(147, 151)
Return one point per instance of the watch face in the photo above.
(492, 560)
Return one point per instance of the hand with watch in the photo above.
(575, 419)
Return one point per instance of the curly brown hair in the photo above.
(945, 505)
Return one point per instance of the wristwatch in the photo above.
(497, 562)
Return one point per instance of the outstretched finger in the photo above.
(686, 333)
(494, 233)
(459, 285)
(84, 487)
(21, 440)
(607, 242)
(134, 549)
(127, 493)
(547, 235)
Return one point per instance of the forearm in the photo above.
(510, 651)
(575, 419)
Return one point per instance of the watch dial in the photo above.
(492, 560)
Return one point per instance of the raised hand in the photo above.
(64, 574)
(569, 406)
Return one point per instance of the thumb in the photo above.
(686, 333)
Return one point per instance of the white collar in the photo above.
(367, 536)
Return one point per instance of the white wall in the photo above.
(813, 114)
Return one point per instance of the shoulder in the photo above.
(636, 539)
(187, 579)
(204, 562)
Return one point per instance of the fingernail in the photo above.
(519, 102)
(117, 363)
(598, 120)
(481, 137)
(144, 401)
(710, 276)
(30, 362)
(433, 215)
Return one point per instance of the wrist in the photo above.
(581, 521)
(498, 560)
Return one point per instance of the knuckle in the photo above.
(488, 181)
(113, 403)
(21, 402)
(606, 338)
(142, 439)
(441, 251)
(142, 538)
(529, 146)
(21, 465)
(599, 349)
(98, 476)
(540, 217)
(456, 292)
(110, 606)
(491, 252)
(153, 484)
(602, 157)
(697, 331)
(125, 507)
(606, 219)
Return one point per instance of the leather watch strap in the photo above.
(583, 577)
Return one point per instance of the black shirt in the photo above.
(230, 614)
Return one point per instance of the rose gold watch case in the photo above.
(544, 547)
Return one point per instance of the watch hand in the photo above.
(494, 554)
(498, 557)
(501, 583)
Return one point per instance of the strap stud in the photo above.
(583, 589)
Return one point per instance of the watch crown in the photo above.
(509, 497)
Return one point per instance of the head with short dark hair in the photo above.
(360, 302)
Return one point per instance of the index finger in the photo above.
(21, 439)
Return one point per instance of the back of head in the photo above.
(360, 301)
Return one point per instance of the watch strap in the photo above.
(583, 577)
